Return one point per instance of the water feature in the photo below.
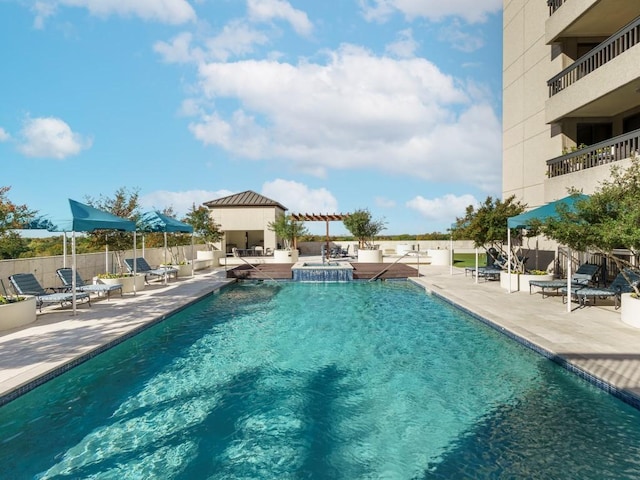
(322, 272)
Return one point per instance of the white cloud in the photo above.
(172, 12)
(181, 202)
(50, 137)
(4, 136)
(267, 10)
(443, 209)
(42, 11)
(179, 50)
(472, 11)
(405, 46)
(299, 198)
(357, 111)
(461, 39)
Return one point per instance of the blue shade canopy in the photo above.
(87, 219)
(155, 221)
(550, 210)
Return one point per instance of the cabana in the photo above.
(85, 218)
(549, 210)
(154, 221)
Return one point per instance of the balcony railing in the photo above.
(612, 150)
(615, 45)
(554, 5)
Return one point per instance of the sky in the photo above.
(324, 106)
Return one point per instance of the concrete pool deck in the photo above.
(592, 340)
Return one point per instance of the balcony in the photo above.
(623, 40)
(602, 153)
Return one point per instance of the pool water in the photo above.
(325, 381)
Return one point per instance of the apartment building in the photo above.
(571, 94)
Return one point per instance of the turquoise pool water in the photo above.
(325, 381)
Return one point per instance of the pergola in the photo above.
(320, 217)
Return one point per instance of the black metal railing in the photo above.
(624, 39)
(602, 153)
(554, 5)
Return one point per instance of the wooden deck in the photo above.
(361, 271)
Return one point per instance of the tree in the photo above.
(288, 229)
(486, 225)
(12, 217)
(362, 226)
(607, 220)
(124, 204)
(203, 225)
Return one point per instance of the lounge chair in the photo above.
(65, 275)
(143, 267)
(619, 286)
(586, 275)
(27, 284)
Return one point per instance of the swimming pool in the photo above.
(298, 380)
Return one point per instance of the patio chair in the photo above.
(586, 275)
(65, 275)
(27, 284)
(619, 286)
(143, 267)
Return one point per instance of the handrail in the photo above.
(554, 5)
(375, 277)
(621, 41)
(601, 153)
(258, 270)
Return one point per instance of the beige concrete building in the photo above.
(244, 218)
(571, 79)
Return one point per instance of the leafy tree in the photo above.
(203, 225)
(486, 225)
(605, 221)
(288, 229)
(363, 227)
(12, 216)
(125, 204)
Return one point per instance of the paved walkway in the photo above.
(592, 340)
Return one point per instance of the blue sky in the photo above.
(326, 107)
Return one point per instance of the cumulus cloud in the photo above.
(445, 208)
(181, 202)
(267, 10)
(356, 111)
(50, 137)
(4, 136)
(299, 198)
(172, 12)
(472, 11)
(42, 10)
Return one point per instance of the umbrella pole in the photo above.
(135, 264)
(73, 271)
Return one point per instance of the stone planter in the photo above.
(403, 248)
(285, 256)
(630, 310)
(184, 270)
(369, 256)
(510, 281)
(127, 283)
(18, 314)
(525, 278)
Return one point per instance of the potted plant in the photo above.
(288, 230)
(130, 283)
(364, 228)
(17, 311)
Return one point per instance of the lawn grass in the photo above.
(469, 259)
